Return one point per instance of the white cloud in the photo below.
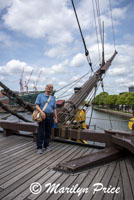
(121, 80)
(39, 18)
(5, 4)
(57, 51)
(78, 60)
(15, 67)
(64, 36)
(129, 37)
(75, 77)
(117, 71)
(62, 83)
(5, 39)
(127, 84)
(119, 13)
(1, 78)
(58, 68)
(51, 25)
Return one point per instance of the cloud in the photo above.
(121, 80)
(52, 28)
(129, 38)
(54, 69)
(119, 13)
(58, 68)
(37, 19)
(1, 78)
(14, 67)
(78, 60)
(57, 51)
(62, 83)
(117, 71)
(4, 4)
(5, 39)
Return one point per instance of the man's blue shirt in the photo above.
(42, 99)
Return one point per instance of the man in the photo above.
(49, 117)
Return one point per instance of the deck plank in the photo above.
(119, 196)
(23, 190)
(23, 158)
(100, 173)
(34, 162)
(13, 149)
(43, 182)
(105, 181)
(9, 149)
(126, 182)
(85, 184)
(80, 178)
(21, 181)
(113, 182)
(21, 166)
(130, 171)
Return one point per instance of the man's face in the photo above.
(49, 88)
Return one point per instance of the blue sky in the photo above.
(43, 36)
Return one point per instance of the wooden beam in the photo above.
(16, 97)
(118, 132)
(6, 108)
(91, 135)
(127, 143)
(29, 127)
(92, 160)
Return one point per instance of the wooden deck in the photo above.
(21, 165)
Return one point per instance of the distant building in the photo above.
(131, 89)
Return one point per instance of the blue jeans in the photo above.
(44, 132)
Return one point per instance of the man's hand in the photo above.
(55, 120)
(43, 115)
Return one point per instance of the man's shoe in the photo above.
(40, 151)
(48, 149)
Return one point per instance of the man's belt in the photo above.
(49, 114)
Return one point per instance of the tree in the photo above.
(111, 100)
(130, 98)
(100, 99)
(105, 99)
(121, 100)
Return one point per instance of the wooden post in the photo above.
(7, 132)
(35, 137)
(52, 135)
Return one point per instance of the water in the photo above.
(101, 121)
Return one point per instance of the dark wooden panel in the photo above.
(105, 181)
(97, 179)
(126, 182)
(113, 182)
(130, 171)
(91, 160)
(29, 127)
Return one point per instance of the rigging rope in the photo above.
(92, 107)
(76, 81)
(114, 120)
(72, 82)
(86, 50)
(112, 23)
(99, 20)
(96, 29)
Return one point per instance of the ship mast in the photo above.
(76, 99)
(68, 112)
